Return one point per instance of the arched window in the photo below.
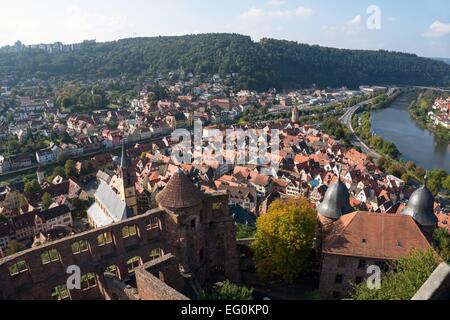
(80, 246)
(50, 256)
(156, 254)
(114, 270)
(60, 293)
(18, 268)
(129, 231)
(133, 263)
(104, 239)
(88, 281)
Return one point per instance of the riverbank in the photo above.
(419, 110)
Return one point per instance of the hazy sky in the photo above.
(417, 26)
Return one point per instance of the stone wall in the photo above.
(38, 281)
(160, 280)
(206, 249)
(348, 267)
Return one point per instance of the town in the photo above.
(107, 177)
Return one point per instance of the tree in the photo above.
(58, 171)
(244, 231)
(410, 274)
(14, 247)
(284, 239)
(69, 168)
(32, 187)
(441, 239)
(61, 158)
(410, 166)
(446, 184)
(228, 291)
(13, 146)
(10, 117)
(22, 200)
(436, 179)
(46, 200)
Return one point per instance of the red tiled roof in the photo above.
(373, 235)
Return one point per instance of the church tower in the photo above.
(127, 189)
(295, 114)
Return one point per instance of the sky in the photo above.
(415, 26)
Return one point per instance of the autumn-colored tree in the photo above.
(284, 239)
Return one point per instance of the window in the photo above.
(133, 263)
(88, 281)
(217, 205)
(338, 279)
(50, 256)
(18, 268)
(153, 223)
(113, 270)
(155, 254)
(201, 255)
(193, 224)
(60, 293)
(362, 264)
(80, 246)
(128, 232)
(104, 239)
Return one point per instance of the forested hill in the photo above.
(259, 65)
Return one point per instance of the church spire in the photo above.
(125, 162)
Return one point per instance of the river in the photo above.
(395, 124)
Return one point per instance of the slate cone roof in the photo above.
(180, 192)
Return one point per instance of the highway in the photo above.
(346, 119)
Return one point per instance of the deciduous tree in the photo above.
(284, 239)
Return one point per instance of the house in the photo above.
(45, 156)
(262, 183)
(242, 196)
(19, 161)
(55, 217)
(23, 226)
(5, 235)
(351, 240)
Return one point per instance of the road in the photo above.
(346, 119)
(431, 88)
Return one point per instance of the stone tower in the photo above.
(127, 188)
(200, 230)
(295, 114)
